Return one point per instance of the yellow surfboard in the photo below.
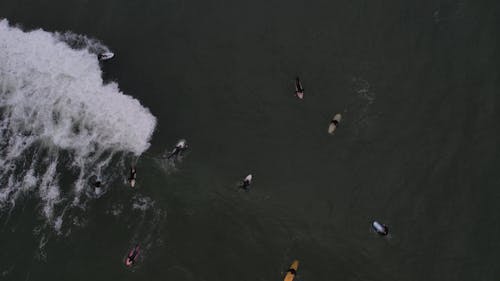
(290, 274)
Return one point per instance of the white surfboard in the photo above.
(249, 178)
(181, 143)
(333, 126)
(106, 56)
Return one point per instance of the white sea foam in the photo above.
(142, 203)
(361, 106)
(54, 106)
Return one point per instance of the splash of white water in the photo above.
(53, 102)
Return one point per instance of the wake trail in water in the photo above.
(59, 119)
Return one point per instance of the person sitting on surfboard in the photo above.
(299, 91)
(133, 176)
(132, 256)
(180, 147)
(246, 182)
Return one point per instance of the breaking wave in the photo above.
(59, 120)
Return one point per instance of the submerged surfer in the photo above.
(132, 177)
(180, 147)
(380, 228)
(299, 91)
(132, 256)
(246, 182)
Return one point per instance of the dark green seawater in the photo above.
(417, 83)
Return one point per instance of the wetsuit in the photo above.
(386, 230)
(132, 257)
(134, 254)
(173, 153)
(298, 86)
(132, 175)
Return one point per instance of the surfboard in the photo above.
(181, 143)
(249, 178)
(290, 274)
(106, 56)
(333, 126)
(380, 228)
(299, 91)
(132, 182)
(129, 262)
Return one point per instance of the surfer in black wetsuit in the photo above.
(386, 231)
(299, 91)
(380, 228)
(298, 85)
(180, 147)
(246, 182)
(132, 256)
(133, 174)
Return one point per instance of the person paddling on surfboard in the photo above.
(299, 91)
(334, 123)
(132, 256)
(380, 228)
(246, 182)
(180, 147)
(292, 271)
(132, 177)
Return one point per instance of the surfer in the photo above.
(105, 56)
(334, 123)
(299, 91)
(180, 147)
(380, 228)
(132, 177)
(97, 186)
(246, 182)
(132, 256)
(292, 271)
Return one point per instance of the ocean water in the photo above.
(416, 83)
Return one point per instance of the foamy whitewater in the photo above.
(58, 119)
